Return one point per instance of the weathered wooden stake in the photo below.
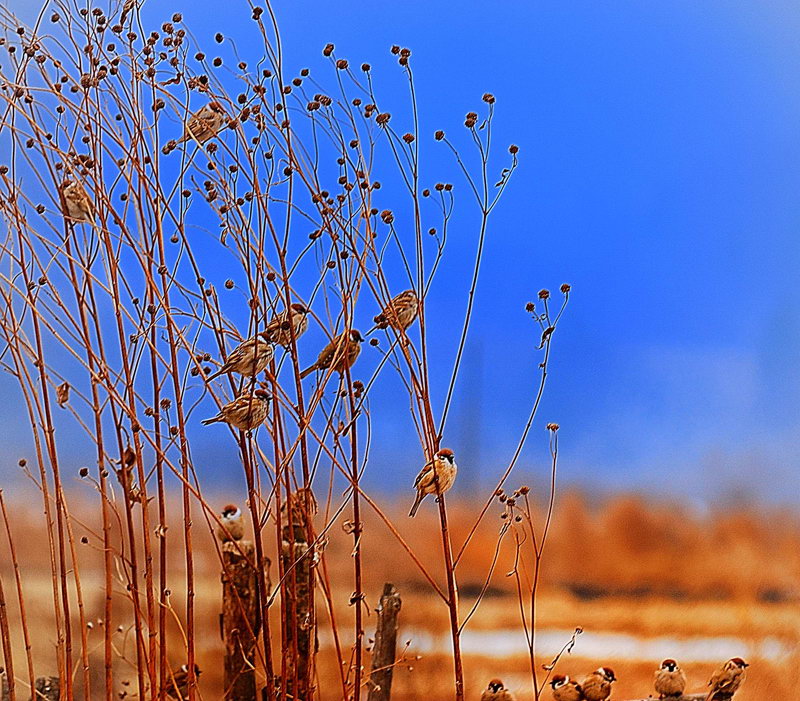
(299, 624)
(240, 620)
(383, 650)
(47, 689)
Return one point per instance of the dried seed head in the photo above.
(565, 288)
(387, 216)
(408, 138)
(342, 64)
(513, 149)
(439, 135)
(544, 294)
(328, 50)
(488, 98)
(553, 427)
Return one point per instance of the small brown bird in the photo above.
(177, 686)
(246, 412)
(75, 201)
(232, 524)
(204, 124)
(727, 679)
(435, 478)
(339, 354)
(278, 330)
(249, 358)
(597, 685)
(496, 691)
(400, 313)
(670, 680)
(565, 689)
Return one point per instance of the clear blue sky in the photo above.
(660, 176)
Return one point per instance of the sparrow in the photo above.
(177, 686)
(670, 680)
(204, 124)
(496, 692)
(400, 313)
(249, 358)
(565, 689)
(727, 679)
(339, 354)
(232, 524)
(435, 478)
(597, 685)
(245, 412)
(278, 327)
(75, 201)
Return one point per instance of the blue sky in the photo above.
(659, 175)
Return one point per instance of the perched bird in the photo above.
(204, 124)
(565, 689)
(75, 201)
(597, 685)
(435, 478)
(339, 354)
(245, 412)
(400, 312)
(231, 524)
(727, 679)
(496, 692)
(278, 330)
(670, 680)
(249, 358)
(177, 686)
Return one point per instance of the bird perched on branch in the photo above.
(400, 312)
(246, 412)
(204, 124)
(565, 689)
(278, 330)
(249, 358)
(597, 685)
(670, 680)
(727, 679)
(75, 201)
(496, 691)
(177, 686)
(339, 354)
(435, 478)
(231, 524)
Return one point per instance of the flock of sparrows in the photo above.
(669, 683)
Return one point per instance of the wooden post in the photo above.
(299, 623)
(4, 692)
(47, 689)
(240, 620)
(383, 650)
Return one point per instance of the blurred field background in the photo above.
(643, 579)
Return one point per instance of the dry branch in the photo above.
(240, 620)
(383, 651)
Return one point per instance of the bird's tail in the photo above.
(307, 371)
(417, 502)
(212, 420)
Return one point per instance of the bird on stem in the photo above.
(249, 358)
(339, 355)
(565, 689)
(727, 679)
(75, 201)
(246, 412)
(597, 685)
(204, 124)
(496, 691)
(399, 313)
(231, 526)
(670, 680)
(435, 478)
(278, 330)
(177, 686)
